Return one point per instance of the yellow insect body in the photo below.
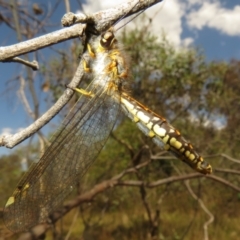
(109, 61)
(163, 134)
(83, 134)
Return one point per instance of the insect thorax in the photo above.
(108, 62)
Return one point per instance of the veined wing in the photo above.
(82, 136)
(73, 149)
(163, 134)
(151, 124)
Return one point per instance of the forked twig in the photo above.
(204, 208)
(102, 21)
(116, 182)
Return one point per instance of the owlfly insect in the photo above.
(83, 134)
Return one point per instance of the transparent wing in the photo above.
(73, 149)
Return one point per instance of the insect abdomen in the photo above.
(163, 134)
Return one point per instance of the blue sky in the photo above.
(212, 25)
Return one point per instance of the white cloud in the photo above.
(93, 5)
(5, 131)
(187, 41)
(9, 131)
(166, 18)
(194, 2)
(217, 122)
(214, 15)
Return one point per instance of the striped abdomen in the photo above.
(163, 134)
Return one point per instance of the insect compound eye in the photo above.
(107, 39)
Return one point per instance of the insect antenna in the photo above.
(120, 19)
(129, 19)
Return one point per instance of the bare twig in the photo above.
(34, 64)
(135, 183)
(231, 171)
(225, 156)
(32, 114)
(16, 19)
(41, 42)
(67, 5)
(114, 182)
(12, 140)
(135, 160)
(115, 14)
(72, 224)
(156, 218)
(204, 208)
(22, 96)
(101, 20)
(230, 158)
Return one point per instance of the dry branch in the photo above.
(204, 208)
(111, 183)
(6, 53)
(102, 21)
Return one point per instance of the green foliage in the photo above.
(10, 174)
(190, 92)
